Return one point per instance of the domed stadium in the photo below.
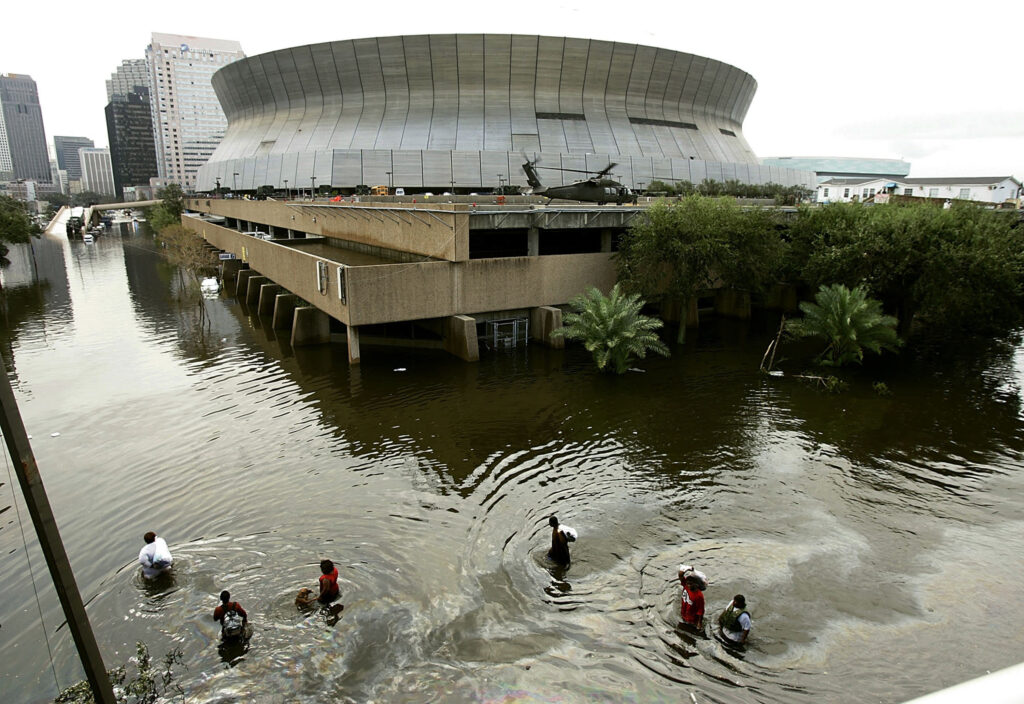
(462, 112)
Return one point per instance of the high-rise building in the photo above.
(23, 122)
(130, 134)
(6, 165)
(97, 175)
(67, 154)
(188, 122)
(131, 74)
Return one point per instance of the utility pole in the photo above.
(34, 493)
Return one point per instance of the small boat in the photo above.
(210, 286)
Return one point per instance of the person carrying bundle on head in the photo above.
(694, 582)
(561, 536)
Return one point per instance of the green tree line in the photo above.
(949, 271)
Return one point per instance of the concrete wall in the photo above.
(440, 231)
(395, 292)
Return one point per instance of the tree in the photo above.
(958, 270)
(168, 211)
(16, 225)
(612, 328)
(849, 321)
(677, 249)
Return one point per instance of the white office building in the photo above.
(97, 173)
(188, 122)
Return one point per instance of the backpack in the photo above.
(232, 625)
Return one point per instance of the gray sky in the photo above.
(936, 83)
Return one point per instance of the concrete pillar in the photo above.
(353, 343)
(242, 283)
(606, 240)
(268, 294)
(310, 326)
(229, 269)
(671, 309)
(732, 303)
(533, 242)
(252, 292)
(284, 310)
(460, 338)
(544, 321)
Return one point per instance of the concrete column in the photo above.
(732, 303)
(606, 240)
(353, 344)
(544, 321)
(252, 292)
(229, 269)
(533, 242)
(670, 311)
(242, 283)
(460, 338)
(284, 310)
(310, 326)
(268, 295)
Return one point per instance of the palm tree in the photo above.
(850, 322)
(612, 328)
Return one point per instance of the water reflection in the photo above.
(430, 489)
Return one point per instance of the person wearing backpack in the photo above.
(232, 617)
(734, 622)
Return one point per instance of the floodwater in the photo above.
(877, 538)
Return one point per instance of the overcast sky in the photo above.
(936, 83)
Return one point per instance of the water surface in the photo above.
(877, 539)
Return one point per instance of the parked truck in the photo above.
(76, 221)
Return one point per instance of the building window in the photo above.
(872, 193)
(965, 193)
(864, 193)
(846, 193)
(824, 193)
(908, 191)
(933, 192)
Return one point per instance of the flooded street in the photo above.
(877, 539)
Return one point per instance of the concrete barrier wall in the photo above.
(394, 292)
(441, 233)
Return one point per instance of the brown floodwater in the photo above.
(877, 538)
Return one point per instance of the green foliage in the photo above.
(16, 224)
(146, 687)
(168, 211)
(959, 269)
(677, 249)
(612, 328)
(881, 388)
(848, 321)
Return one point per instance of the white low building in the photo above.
(980, 189)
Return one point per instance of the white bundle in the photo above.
(569, 533)
(687, 571)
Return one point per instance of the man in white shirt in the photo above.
(735, 620)
(155, 556)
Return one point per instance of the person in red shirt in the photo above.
(328, 582)
(692, 602)
(225, 614)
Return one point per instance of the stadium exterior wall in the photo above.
(438, 109)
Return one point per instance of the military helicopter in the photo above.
(595, 189)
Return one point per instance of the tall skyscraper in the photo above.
(188, 122)
(97, 175)
(23, 122)
(130, 133)
(67, 154)
(131, 74)
(6, 165)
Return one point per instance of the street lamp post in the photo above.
(218, 185)
(312, 187)
(640, 186)
(391, 181)
(501, 183)
(453, 186)
(287, 193)
(234, 181)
